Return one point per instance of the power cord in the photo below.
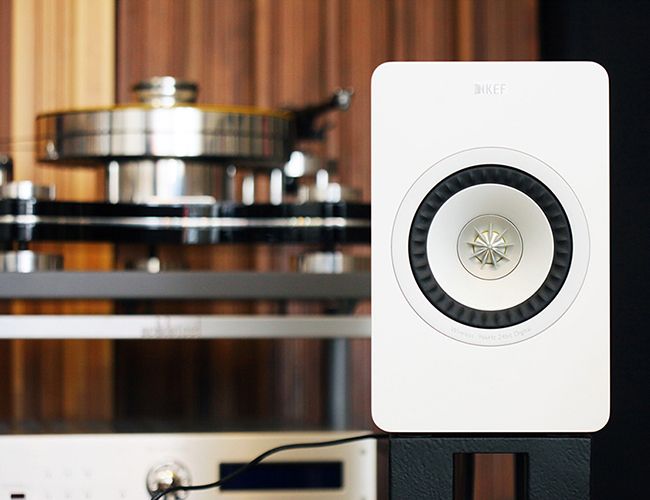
(264, 456)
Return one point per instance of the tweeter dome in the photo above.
(490, 239)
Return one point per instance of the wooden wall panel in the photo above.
(263, 52)
(62, 56)
(61, 53)
(201, 40)
(364, 41)
(5, 72)
(5, 133)
(288, 52)
(210, 43)
(424, 30)
(289, 55)
(497, 30)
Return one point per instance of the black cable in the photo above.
(263, 456)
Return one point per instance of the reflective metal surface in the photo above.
(155, 264)
(248, 189)
(188, 285)
(27, 190)
(168, 475)
(166, 149)
(6, 169)
(186, 222)
(247, 135)
(164, 181)
(308, 179)
(113, 465)
(332, 192)
(166, 146)
(26, 261)
(183, 327)
(490, 247)
(302, 164)
(332, 263)
(165, 91)
(165, 124)
(276, 187)
(343, 98)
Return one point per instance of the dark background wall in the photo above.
(615, 34)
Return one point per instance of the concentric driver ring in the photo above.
(537, 192)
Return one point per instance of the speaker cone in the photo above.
(490, 246)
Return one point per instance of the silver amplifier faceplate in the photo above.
(116, 466)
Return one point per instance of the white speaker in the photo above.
(490, 247)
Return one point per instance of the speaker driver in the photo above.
(485, 291)
(523, 213)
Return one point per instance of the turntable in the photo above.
(178, 172)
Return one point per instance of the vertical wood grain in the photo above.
(423, 30)
(288, 52)
(494, 476)
(491, 30)
(62, 56)
(61, 53)
(289, 58)
(365, 40)
(258, 52)
(6, 361)
(5, 73)
(212, 45)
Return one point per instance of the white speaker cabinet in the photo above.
(490, 247)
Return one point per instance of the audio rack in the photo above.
(183, 174)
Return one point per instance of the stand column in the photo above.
(548, 468)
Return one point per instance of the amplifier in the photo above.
(130, 466)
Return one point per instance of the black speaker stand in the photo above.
(439, 467)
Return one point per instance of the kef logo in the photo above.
(489, 88)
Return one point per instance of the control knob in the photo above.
(168, 475)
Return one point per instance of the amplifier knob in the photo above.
(167, 475)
